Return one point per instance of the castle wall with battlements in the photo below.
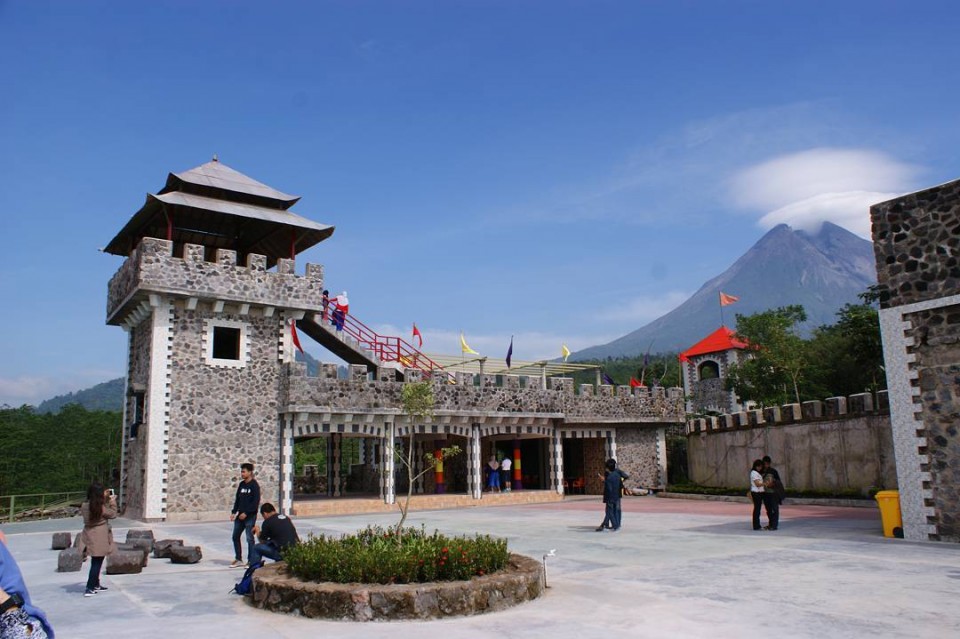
(840, 444)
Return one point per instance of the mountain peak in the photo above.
(821, 271)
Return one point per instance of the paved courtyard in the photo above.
(677, 569)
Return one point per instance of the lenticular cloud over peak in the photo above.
(825, 184)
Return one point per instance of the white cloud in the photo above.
(824, 184)
(32, 389)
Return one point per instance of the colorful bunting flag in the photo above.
(416, 333)
(463, 346)
(727, 300)
(293, 333)
(564, 351)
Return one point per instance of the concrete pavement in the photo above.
(677, 569)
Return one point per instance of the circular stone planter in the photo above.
(276, 590)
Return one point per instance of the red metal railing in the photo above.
(386, 348)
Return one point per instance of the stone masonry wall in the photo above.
(134, 462)
(152, 268)
(917, 245)
(936, 335)
(637, 455)
(613, 403)
(221, 417)
(917, 248)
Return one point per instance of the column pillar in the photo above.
(556, 461)
(286, 463)
(474, 474)
(388, 480)
(517, 471)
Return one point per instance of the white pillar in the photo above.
(389, 464)
(286, 463)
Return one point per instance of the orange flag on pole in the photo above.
(727, 300)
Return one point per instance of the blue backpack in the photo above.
(245, 585)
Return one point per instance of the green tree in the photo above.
(777, 361)
(847, 357)
(418, 401)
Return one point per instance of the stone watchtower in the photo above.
(705, 366)
(207, 295)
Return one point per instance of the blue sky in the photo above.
(564, 172)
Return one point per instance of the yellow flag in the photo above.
(464, 348)
(564, 351)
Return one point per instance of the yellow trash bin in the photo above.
(889, 503)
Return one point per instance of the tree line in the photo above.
(58, 452)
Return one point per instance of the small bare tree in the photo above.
(418, 401)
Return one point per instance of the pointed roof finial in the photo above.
(215, 158)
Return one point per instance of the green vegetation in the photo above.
(62, 452)
(374, 555)
(661, 369)
(838, 360)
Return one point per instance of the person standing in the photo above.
(325, 301)
(772, 493)
(341, 306)
(505, 465)
(97, 536)
(756, 491)
(493, 474)
(277, 534)
(612, 492)
(244, 513)
(18, 616)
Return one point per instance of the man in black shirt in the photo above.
(772, 492)
(244, 513)
(278, 534)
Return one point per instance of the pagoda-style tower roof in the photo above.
(722, 339)
(215, 206)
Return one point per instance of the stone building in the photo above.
(212, 305)
(917, 246)
(705, 365)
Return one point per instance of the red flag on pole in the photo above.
(416, 333)
(635, 384)
(727, 300)
(293, 333)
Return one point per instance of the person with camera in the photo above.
(97, 536)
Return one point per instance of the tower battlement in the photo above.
(153, 268)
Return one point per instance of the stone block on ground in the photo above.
(125, 562)
(185, 554)
(136, 548)
(69, 560)
(161, 548)
(140, 533)
(143, 543)
(61, 540)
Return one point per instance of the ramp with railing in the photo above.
(357, 343)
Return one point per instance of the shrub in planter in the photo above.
(381, 556)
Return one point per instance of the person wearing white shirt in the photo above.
(756, 491)
(505, 465)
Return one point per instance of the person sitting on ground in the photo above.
(276, 535)
(18, 616)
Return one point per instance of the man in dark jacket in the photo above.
(244, 513)
(612, 491)
(773, 492)
(277, 534)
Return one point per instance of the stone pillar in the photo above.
(158, 411)
(286, 463)
(440, 486)
(418, 453)
(387, 480)
(556, 460)
(334, 459)
(610, 444)
(662, 457)
(474, 476)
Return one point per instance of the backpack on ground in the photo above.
(245, 585)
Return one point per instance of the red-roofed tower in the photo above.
(705, 366)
